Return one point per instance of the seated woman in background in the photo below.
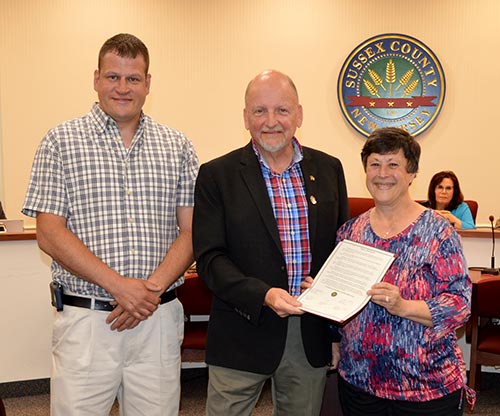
(447, 199)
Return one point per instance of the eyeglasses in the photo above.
(444, 188)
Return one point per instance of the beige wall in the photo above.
(204, 52)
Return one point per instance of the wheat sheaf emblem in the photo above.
(390, 79)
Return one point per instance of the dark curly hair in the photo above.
(389, 140)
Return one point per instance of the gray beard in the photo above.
(273, 148)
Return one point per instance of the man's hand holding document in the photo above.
(339, 289)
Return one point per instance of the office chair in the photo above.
(358, 205)
(2, 408)
(196, 299)
(485, 343)
(473, 205)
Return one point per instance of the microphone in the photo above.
(491, 270)
(492, 219)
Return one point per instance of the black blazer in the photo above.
(239, 256)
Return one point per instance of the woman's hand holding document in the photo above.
(339, 290)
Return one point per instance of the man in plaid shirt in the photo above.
(112, 193)
(265, 217)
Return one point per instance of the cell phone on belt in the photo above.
(56, 292)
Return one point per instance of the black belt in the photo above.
(105, 305)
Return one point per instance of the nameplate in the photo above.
(11, 226)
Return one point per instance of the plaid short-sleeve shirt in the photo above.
(121, 203)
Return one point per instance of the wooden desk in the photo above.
(479, 233)
(26, 235)
(476, 276)
(477, 245)
(26, 324)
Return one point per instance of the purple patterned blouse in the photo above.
(396, 358)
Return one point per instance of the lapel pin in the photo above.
(313, 200)
(312, 178)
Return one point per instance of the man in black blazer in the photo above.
(265, 217)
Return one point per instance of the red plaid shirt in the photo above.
(288, 198)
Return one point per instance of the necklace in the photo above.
(391, 225)
(389, 231)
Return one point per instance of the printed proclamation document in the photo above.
(339, 290)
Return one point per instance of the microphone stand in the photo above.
(492, 270)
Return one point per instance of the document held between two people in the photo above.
(339, 289)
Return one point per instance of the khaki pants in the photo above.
(93, 365)
(297, 388)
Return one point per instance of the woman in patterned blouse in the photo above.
(399, 355)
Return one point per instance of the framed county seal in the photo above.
(391, 80)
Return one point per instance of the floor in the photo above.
(194, 382)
